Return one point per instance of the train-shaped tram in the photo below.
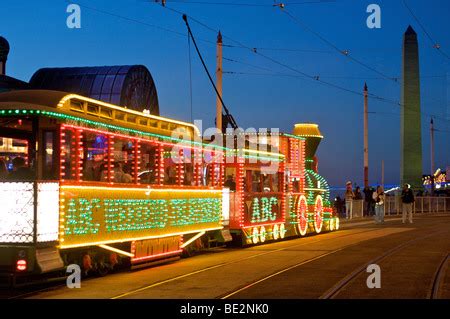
(98, 185)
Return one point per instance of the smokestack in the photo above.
(4, 50)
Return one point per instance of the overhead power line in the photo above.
(125, 18)
(240, 4)
(254, 50)
(345, 53)
(435, 44)
(315, 78)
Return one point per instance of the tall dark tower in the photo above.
(411, 135)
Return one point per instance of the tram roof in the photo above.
(87, 108)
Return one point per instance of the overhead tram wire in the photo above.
(240, 4)
(239, 44)
(435, 44)
(138, 21)
(315, 78)
(346, 53)
(248, 64)
(345, 77)
(230, 118)
(254, 50)
(303, 78)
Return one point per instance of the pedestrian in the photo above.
(368, 200)
(358, 194)
(349, 200)
(407, 203)
(338, 205)
(379, 197)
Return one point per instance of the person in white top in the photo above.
(349, 200)
(378, 197)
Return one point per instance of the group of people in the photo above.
(20, 171)
(374, 202)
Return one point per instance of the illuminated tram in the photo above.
(87, 182)
(100, 184)
(277, 194)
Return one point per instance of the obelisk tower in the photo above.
(411, 135)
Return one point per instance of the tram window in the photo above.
(212, 168)
(256, 181)
(199, 172)
(267, 187)
(296, 186)
(230, 178)
(170, 167)
(16, 123)
(123, 160)
(48, 167)
(68, 154)
(275, 182)
(14, 160)
(148, 170)
(188, 167)
(94, 157)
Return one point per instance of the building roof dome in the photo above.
(4, 49)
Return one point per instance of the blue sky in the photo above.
(39, 37)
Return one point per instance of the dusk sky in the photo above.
(123, 32)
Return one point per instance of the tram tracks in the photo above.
(55, 286)
(236, 261)
(334, 291)
(439, 278)
(342, 284)
(169, 280)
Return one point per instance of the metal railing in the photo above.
(393, 206)
(422, 205)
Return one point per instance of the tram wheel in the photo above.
(302, 215)
(262, 234)
(275, 232)
(255, 235)
(103, 269)
(318, 214)
(336, 223)
(282, 231)
(331, 224)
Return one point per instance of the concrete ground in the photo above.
(329, 265)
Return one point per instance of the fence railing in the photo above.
(421, 205)
(393, 206)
